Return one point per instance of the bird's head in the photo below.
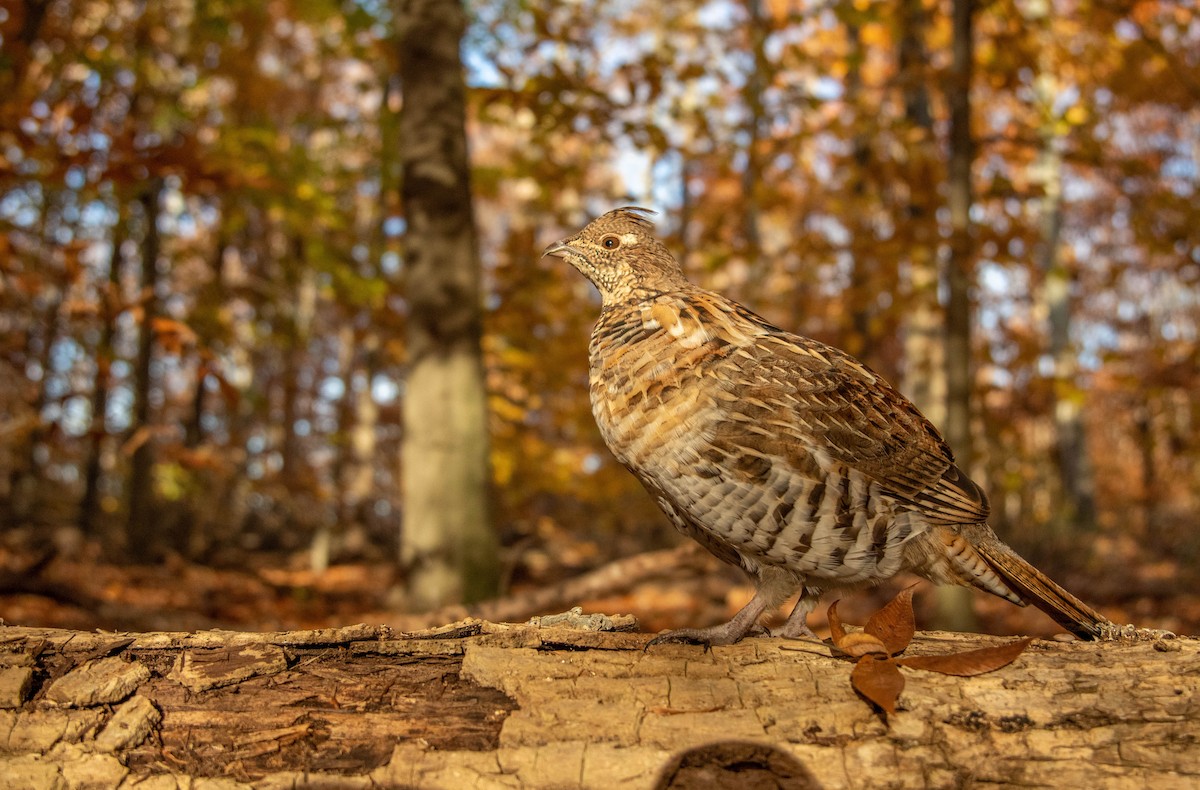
(620, 255)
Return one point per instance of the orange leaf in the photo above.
(164, 327)
(878, 680)
(895, 623)
(972, 662)
(835, 624)
(860, 643)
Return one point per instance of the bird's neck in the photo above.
(634, 293)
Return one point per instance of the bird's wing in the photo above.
(793, 397)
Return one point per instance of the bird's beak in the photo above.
(557, 250)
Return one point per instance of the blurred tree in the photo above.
(90, 506)
(955, 603)
(1075, 505)
(143, 539)
(449, 547)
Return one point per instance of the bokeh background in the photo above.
(206, 281)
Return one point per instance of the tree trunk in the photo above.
(303, 282)
(927, 363)
(954, 608)
(924, 370)
(27, 499)
(863, 265)
(357, 425)
(755, 272)
(142, 537)
(1075, 506)
(960, 264)
(574, 701)
(90, 505)
(448, 546)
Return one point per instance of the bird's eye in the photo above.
(610, 242)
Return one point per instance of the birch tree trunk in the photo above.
(447, 543)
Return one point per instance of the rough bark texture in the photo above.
(447, 542)
(553, 704)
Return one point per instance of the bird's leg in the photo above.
(796, 626)
(725, 633)
(774, 585)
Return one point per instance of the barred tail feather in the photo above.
(1035, 587)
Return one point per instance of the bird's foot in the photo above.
(725, 634)
(796, 626)
(796, 629)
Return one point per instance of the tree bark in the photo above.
(960, 265)
(859, 341)
(302, 280)
(576, 700)
(751, 177)
(955, 603)
(27, 499)
(1075, 508)
(447, 542)
(934, 342)
(142, 537)
(90, 505)
(924, 369)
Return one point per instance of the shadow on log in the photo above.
(577, 701)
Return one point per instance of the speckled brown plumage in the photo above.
(779, 454)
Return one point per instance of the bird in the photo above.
(779, 454)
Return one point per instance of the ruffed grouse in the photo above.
(778, 453)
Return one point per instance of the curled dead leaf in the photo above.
(835, 624)
(972, 662)
(860, 643)
(878, 679)
(895, 623)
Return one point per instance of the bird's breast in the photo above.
(646, 393)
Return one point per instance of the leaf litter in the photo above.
(876, 675)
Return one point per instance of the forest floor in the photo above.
(273, 591)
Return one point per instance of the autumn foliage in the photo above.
(204, 293)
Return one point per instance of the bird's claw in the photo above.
(708, 637)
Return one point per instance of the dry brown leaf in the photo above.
(972, 662)
(895, 623)
(860, 643)
(878, 680)
(835, 624)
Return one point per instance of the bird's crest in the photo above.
(636, 214)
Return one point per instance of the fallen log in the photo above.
(553, 704)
